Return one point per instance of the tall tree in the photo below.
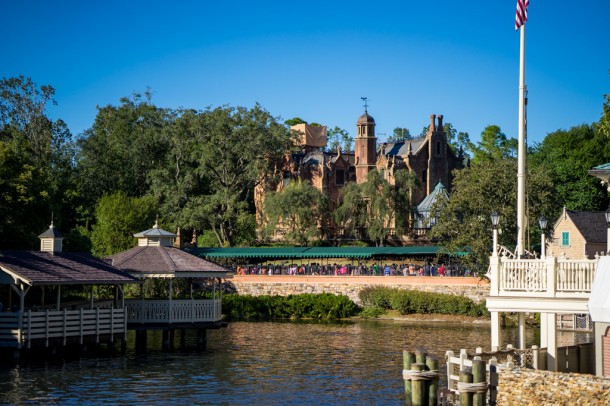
(117, 153)
(37, 156)
(400, 135)
(299, 209)
(479, 190)
(494, 145)
(118, 218)
(567, 156)
(237, 147)
(339, 138)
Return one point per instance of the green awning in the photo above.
(316, 252)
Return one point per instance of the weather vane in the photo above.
(365, 99)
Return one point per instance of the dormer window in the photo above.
(340, 177)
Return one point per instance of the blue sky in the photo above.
(315, 59)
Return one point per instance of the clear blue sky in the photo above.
(316, 59)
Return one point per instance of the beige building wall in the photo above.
(575, 249)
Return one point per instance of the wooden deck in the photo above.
(42, 328)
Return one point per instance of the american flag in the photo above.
(521, 16)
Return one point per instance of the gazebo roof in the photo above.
(166, 262)
(63, 268)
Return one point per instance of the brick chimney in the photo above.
(440, 122)
(432, 124)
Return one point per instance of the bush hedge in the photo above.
(414, 301)
(322, 306)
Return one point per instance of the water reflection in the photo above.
(253, 363)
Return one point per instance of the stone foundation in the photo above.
(529, 387)
(472, 288)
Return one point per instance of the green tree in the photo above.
(294, 121)
(118, 217)
(567, 156)
(236, 148)
(464, 221)
(494, 145)
(122, 147)
(298, 209)
(37, 157)
(400, 135)
(351, 214)
(338, 137)
(456, 140)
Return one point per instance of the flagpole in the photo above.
(521, 175)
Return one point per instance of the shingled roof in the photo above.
(65, 268)
(591, 224)
(164, 261)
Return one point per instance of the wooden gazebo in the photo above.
(155, 257)
(33, 312)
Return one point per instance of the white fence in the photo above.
(20, 329)
(549, 277)
(176, 311)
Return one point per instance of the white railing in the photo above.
(181, 311)
(62, 324)
(549, 277)
(575, 275)
(524, 275)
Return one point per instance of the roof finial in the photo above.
(51, 226)
(156, 222)
(366, 105)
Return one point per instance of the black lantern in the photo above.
(542, 222)
(495, 219)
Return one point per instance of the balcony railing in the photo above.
(176, 311)
(549, 277)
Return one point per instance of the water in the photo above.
(251, 363)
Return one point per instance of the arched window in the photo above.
(438, 148)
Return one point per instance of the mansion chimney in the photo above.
(432, 123)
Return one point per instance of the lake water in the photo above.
(305, 363)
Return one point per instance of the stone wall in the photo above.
(530, 387)
(350, 289)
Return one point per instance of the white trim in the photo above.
(540, 305)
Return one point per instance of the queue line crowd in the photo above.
(352, 270)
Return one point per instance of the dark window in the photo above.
(424, 177)
(287, 178)
(340, 177)
(438, 148)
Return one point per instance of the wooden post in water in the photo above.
(165, 340)
(420, 355)
(432, 365)
(408, 358)
(478, 376)
(465, 397)
(418, 387)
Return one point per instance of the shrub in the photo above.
(414, 301)
(317, 306)
(372, 312)
(379, 296)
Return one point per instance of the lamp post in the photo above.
(607, 213)
(542, 222)
(495, 220)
